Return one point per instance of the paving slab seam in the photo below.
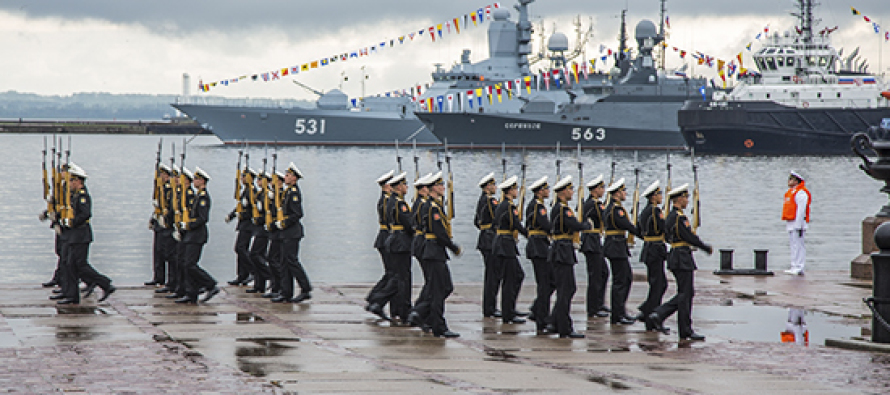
(320, 342)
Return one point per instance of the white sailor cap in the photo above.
(652, 189)
(201, 173)
(595, 182)
(279, 174)
(422, 181)
(188, 173)
(796, 175)
(435, 179)
(267, 175)
(252, 171)
(680, 190)
(384, 178)
(76, 171)
(294, 170)
(508, 183)
(616, 186)
(398, 178)
(487, 179)
(164, 168)
(564, 183)
(541, 183)
(174, 169)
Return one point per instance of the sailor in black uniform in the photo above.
(291, 234)
(259, 248)
(681, 263)
(564, 228)
(380, 243)
(651, 225)
(615, 248)
(485, 211)
(592, 248)
(537, 222)
(421, 307)
(185, 194)
(506, 253)
(162, 225)
(435, 256)
(401, 234)
(194, 237)
(246, 229)
(276, 270)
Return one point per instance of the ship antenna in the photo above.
(661, 34)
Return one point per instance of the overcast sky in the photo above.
(68, 46)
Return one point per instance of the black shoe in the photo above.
(606, 309)
(521, 313)
(654, 321)
(210, 294)
(544, 330)
(107, 292)
(495, 314)
(164, 290)
(602, 314)
(448, 334)
(270, 295)
(186, 299)
(301, 297)
(572, 335)
(625, 321)
(280, 299)
(531, 317)
(253, 291)
(89, 291)
(247, 280)
(515, 320)
(49, 284)
(153, 283)
(57, 297)
(57, 291)
(550, 328)
(695, 337)
(174, 296)
(377, 309)
(413, 319)
(236, 281)
(67, 301)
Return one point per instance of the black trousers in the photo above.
(57, 274)
(597, 278)
(159, 273)
(400, 306)
(388, 274)
(258, 252)
(622, 277)
(440, 288)
(244, 266)
(564, 276)
(494, 275)
(657, 284)
(545, 288)
(680, 303)
(422, 304)
(197, 277)
(171, 258)
(276, 270)
(292, 269)
(79, 269)
(513, 277)
(182, 279)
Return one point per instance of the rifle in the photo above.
(450, 202)
(185, 215)
(157, 192)
(416, 162)
(46, 186)
(174, 198)
(580, 184)
(611, 177)
(504, 160)
(522, 186)
(264, 189)
(52, 207)
(269, 218)
(668, 186)
(634, 211)
(398, 156)
(280, 210)
(239, 208)
(60, 193)
(696, 198)
(558, 162)
(250, 189)
(68, 211)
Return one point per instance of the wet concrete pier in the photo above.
(140, 342)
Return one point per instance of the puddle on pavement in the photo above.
(749, 322)
(247, 350)
(239, 318)
(76, 333)
(83, 310)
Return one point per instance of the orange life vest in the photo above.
(789, 208)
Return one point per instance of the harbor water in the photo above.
(741, 203)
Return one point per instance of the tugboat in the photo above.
(799, 103)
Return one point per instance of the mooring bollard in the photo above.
(879, 303)
(760, 260)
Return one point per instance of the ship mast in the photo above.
(661, 35)
(524, 38)
(805, 17)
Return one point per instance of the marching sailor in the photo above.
(592, 248)
(616, 249)
(485, 212)
(651, 225)
(506, 253)
(537, 222)
(564, 228)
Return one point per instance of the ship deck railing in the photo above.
(240, 102)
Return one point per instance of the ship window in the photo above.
(811, 60)
(838, 94)
(771, 62)
(823, 60)
(790, 62)
(781, 61)
(767, 95)
(819, 95)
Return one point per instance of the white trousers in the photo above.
(798, 251)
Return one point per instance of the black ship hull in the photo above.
(767, 128)
(481, 130)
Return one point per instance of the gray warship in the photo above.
(375, 120)
(633, 107)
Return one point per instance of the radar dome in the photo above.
(558, 42)
(646, 29)
(501, 15)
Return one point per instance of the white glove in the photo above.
(154, 203)
(52, 216)
(177, 236)
(162, 222)
(184, 225)
(43, 216)
(279, 225)
(66, 222)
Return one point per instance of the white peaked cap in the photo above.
(398, 178)
(540, 183)
(796, 175)
(164, 167)
(617, 185)
(76, 170)
(563, 183)
(678, 190)
(293, 169)
(188, 173)
(435, 178)
(596, 181)
(653, 187)
(485, 180)
(385, 177)
(423, 181)
(508, 183)
(201, 173)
